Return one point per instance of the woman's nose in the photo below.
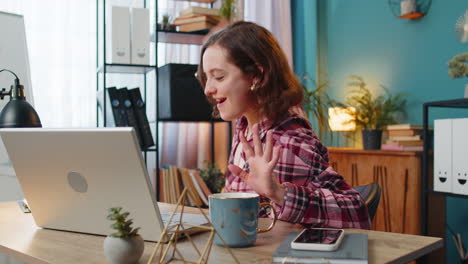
(209, 89)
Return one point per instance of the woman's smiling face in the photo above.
(228, 85)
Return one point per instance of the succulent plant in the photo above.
(122, 225)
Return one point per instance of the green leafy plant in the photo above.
(373, 112)
(121, 225)
(228, 9)
(213, 177)
(317, 102)
(458, 67)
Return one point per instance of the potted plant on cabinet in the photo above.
(316, 104)
(458, 68)
(371, 113)
(125, 245)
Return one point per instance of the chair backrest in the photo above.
(371, 195)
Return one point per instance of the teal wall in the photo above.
(363, 37)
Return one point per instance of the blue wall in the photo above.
(364, 38)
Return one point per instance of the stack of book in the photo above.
(197, 18)
(404, 137)
(173, 180)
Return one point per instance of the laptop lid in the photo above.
(71, 177)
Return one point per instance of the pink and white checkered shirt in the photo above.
(315, 195)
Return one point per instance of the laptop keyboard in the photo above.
(194, 219)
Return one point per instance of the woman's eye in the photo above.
(220, 78)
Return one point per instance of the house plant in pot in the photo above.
(125, 245)
(372, 113)
(458, 68)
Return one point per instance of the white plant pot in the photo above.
(123, 250)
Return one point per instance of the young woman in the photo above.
(275, 152)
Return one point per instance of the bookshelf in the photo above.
(144, 76)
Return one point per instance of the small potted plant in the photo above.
(213, 177)
(372, 113)
(125, 245)
(458, 68)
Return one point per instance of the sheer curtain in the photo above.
(275, 15)
(61, 41)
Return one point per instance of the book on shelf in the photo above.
(195, 26)
(404, 142)
(404, 132)
(404, 126)
(415, 137)
(139, 107)
(199, 18)
(173, 180)
(353, 250)
(198, 10)
(401, 148)
(200, 186)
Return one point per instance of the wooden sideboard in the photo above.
(399, 175)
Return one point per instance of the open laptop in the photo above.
(71, 177)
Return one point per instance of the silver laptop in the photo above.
(71, 177)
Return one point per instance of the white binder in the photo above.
(140, 32)
(443, 155)
(120, 35)
(460, 156)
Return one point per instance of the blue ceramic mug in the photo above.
(235, 217)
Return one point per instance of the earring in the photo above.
(252, 87)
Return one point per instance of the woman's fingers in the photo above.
(257, 141)
(276, 155)
(246, 147)
(236, 170)
(269, 146)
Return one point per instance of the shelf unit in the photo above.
(149, 73)
(437, 199)
(426, 189)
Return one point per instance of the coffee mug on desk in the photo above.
(235, 217)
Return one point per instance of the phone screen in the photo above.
(319, 236)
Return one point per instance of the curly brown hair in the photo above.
(255, 51)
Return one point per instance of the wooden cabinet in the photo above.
(399, 175)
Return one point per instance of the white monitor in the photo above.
(14, 57)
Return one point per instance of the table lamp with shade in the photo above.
(341, 119)
(17, 112)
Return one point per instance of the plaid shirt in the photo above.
(315, 195)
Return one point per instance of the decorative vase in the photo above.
(123, 250)
(371, 138)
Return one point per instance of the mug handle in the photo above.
(259, 230)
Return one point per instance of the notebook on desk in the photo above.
(353, 250)
(71, 177)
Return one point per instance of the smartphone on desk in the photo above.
(323, 239)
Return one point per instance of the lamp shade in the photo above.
(19, 113)
(340, 118)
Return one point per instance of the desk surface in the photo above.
(22, 239)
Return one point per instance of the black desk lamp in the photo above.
(18, 112)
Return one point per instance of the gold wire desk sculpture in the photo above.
(178, 229)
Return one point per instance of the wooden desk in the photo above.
(20, 238)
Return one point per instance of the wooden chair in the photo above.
(371, 195)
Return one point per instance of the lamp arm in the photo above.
(3, 93)
(16, 91)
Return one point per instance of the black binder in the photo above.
(127, 105)
(118, 110)
(139, 107)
